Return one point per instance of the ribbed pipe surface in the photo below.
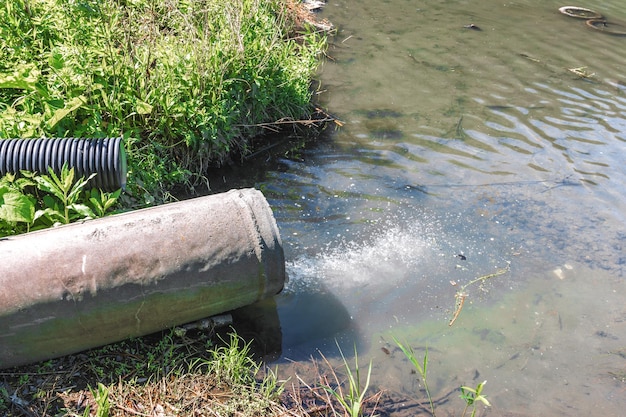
(104, 156)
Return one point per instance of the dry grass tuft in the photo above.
(302, 16)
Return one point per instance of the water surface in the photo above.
(463, 152)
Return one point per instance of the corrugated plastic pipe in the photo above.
(104, 156)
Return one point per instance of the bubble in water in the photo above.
(386, 257)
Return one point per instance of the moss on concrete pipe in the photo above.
(85, 285)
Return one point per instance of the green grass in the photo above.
(186, 83)
(163, 373)
(352, 399)
(101, 396)
(421, 368)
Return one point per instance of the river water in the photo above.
(464, 152)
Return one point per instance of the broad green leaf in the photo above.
(24, 78)
(83, 210)
(53, 216)
(49, 185)
(69, 107)
(15, 206)
(112, 198)
(77, 188)
(7, 179)
(143, 107)
(51, 203)
(66, 180)
(98, 208)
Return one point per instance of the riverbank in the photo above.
(184, 371)
(186, 84)
(170, 373)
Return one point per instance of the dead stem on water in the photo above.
(461, 295)
(317, 119)
(458, 305)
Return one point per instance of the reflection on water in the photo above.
(465, 93)
(465, 151)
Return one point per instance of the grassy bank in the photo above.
(186, 83)
(198, 373)
(167, 374)
(181, 373)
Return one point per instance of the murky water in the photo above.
(464, 152)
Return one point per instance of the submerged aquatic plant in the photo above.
(471, 396)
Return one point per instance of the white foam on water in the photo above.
(384, 258)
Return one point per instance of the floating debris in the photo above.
(580, 12)
(472, 26)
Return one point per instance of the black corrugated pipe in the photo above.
(105, 156)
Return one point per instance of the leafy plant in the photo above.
(421, 368)
(353, 400)
(101, 396)
(15, 206)
(471, 396)
(32, 202)
(101, 202)
(67, 191)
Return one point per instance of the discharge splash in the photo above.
(386, 257)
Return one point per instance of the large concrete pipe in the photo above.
(84, 285)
